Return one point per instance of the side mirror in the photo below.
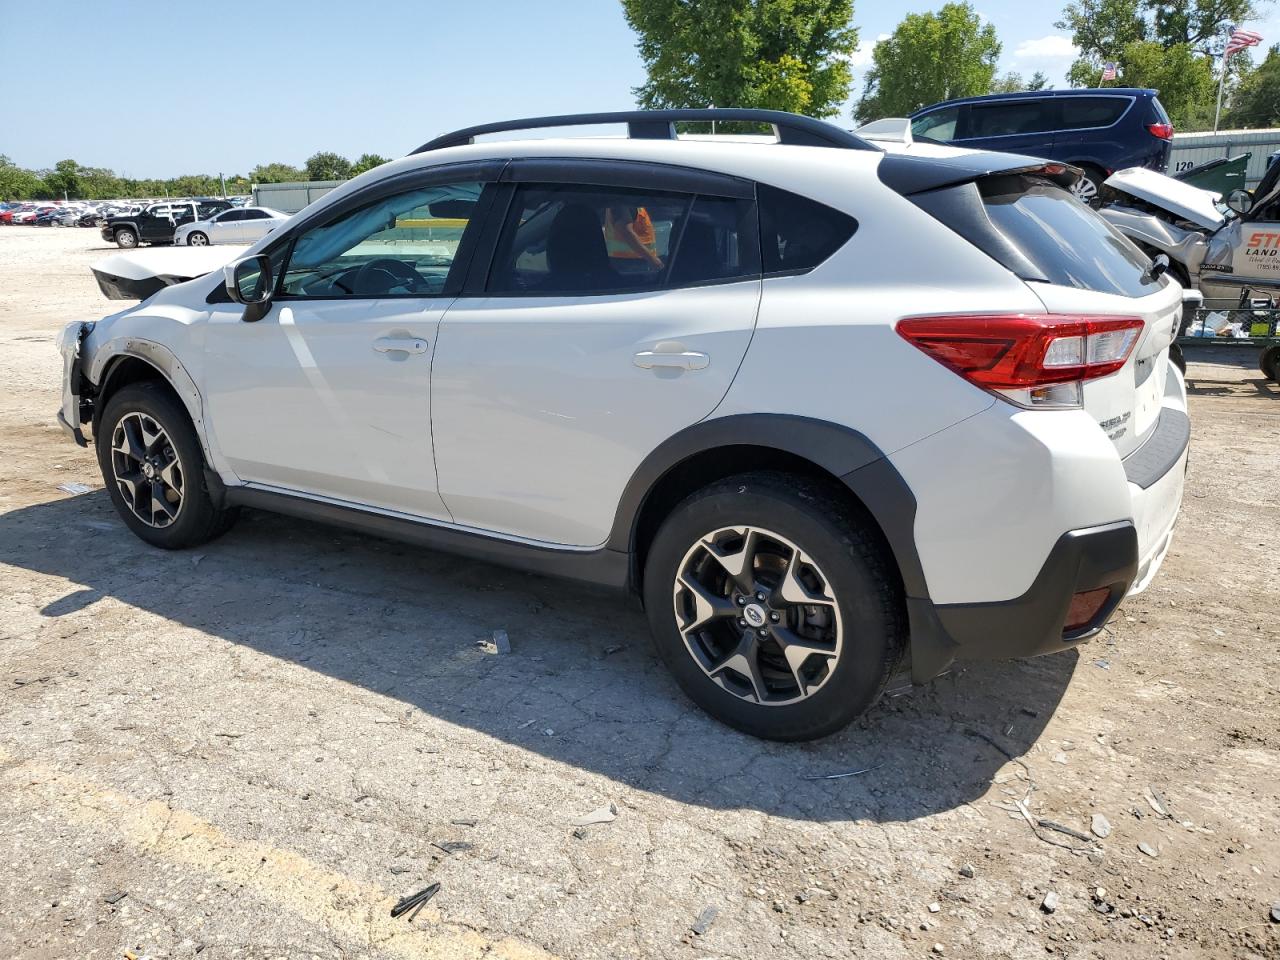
(1240, 201)
(249, 281)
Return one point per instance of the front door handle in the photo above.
(686, 360)
(400, 345)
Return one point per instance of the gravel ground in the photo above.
(253, 749)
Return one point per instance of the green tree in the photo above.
(19, 184)
(1012, 82)
(367, 161)
(930, 57)
(1257, 100)
(1132, 33)
(64, 179)
(276, 173)
(326, 165)
(779, 54)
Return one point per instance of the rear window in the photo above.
(1065, 241)
(797, 233)
(938, 125)
(1079, 113)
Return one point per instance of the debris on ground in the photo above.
(196, 558)
(1148, 849)
(1157, 802)
(1275, 912)
(966, 871)
(115, 898)
(464, 822)
(451, 847)
(1050, 902)
(935, 907)
(579, 833)
(839, 776)
(1062, 828)
(75, 487)
(500, 643)
(414, 902)
(704, 921)
(1102, 664)
(606, 814)
(610, 650)
(1100, 826)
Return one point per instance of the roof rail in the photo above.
(789, 128)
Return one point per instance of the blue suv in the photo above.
(1100, 131)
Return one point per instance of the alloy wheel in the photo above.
(198, 240)
(757, 615)
(146, 469)
(1085, 190)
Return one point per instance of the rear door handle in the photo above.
(688, 360)
(400, 345)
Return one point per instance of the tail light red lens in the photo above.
(1084, 608)
(1025, 351)
(1164, 131)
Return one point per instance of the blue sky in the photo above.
(165, 88)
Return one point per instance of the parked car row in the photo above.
(196, 223)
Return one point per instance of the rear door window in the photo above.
(1010, 118)
(796, 233)
(575, 239)
(1081, 113)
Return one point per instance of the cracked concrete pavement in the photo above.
(259, 742)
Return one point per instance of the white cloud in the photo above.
(1052, 47)
(861, 57)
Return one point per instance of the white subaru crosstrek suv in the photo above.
(829, 406)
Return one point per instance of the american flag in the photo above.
(1109, 71)
(1241, 39)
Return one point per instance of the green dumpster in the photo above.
(1221, 176)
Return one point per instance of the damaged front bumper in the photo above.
(72, 414)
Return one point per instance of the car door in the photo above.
(1011, 126)
(155, 222)
(225, 227)
(620, 302)
(254, 225)
(328, 395)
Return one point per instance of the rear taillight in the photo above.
(1032, 360)
(1162, 130)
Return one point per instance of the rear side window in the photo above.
(1007, 119)
(797, 233)
(1064, 241)
(1079, 113)
(592, 241)
(938, 125)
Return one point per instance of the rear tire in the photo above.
(153, 467)
(126, 239)
(1269, 363)
(803, 637)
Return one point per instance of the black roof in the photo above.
(1046, 94)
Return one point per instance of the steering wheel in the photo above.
(397, 272)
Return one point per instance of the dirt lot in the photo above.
(254, 749)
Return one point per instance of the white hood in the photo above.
(140, 273)
(1180, 199)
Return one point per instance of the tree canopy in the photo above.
(775, 54)
(1170, 45)
(71, 180)
(930, 57)
(1257, 100)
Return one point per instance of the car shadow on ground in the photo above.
(405, 623)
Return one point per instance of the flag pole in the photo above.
(1221, 79)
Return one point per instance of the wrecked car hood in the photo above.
(1180, 199)
(138, 274)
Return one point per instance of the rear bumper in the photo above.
(1032, 624)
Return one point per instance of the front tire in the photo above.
(197, 239)
(772, 602)
(126, 239)
(1269, 363)
(153, 467)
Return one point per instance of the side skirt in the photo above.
(601, 566)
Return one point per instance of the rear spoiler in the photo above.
(908, 174)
